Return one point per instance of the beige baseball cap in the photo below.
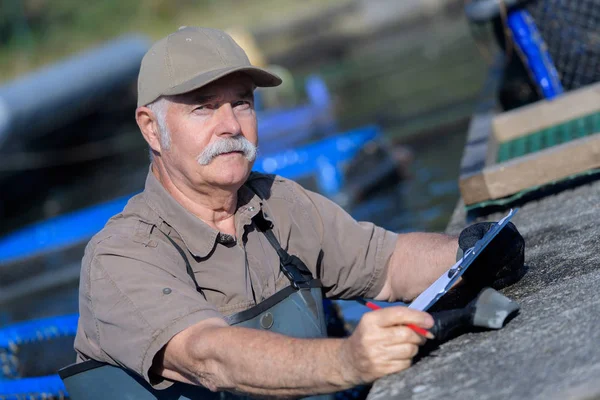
(191, 58)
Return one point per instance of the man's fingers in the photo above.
(398, 315)
(402, 334)
(404, 351)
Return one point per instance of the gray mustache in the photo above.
(227, 145)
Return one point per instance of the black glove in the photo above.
(500, 263)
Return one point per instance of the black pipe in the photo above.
(489, 310)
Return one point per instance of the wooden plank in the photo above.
(473, 188)
(535, 169)
(544, 114)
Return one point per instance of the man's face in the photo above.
(205, 125)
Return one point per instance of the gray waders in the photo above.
(296, 310)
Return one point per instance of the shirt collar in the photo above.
(198, 237)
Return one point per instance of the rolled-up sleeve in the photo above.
(137, 303)
(355, 254)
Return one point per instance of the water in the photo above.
(426, 200)
(423, 203)
(413, 86)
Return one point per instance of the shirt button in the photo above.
(167, 290)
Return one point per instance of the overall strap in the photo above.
(291, 266)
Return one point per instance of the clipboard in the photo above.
(449, 277)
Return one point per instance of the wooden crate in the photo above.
(531, 146)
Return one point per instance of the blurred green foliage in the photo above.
(34, 32)
(39, 18)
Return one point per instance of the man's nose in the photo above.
(227, 122)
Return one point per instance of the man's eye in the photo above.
(242, 104)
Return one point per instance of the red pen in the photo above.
(418, 329)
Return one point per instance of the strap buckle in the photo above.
(292, 267)
(295, 270)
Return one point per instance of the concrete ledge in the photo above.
(552, 348)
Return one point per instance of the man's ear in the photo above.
(148, 124)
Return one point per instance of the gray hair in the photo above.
(159, 107)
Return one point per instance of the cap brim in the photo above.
(259, 76)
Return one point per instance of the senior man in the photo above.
(213, 275)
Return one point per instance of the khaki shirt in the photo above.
(135, 290)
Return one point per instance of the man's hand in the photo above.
(382, 344)
(499, 262)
